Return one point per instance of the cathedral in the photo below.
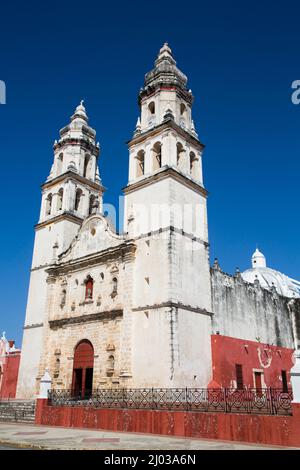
(143, 308)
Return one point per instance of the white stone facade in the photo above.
(141, 299)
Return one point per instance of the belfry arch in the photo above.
(83, 368)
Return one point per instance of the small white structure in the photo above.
(45, 385)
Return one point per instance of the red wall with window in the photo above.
(254, 358)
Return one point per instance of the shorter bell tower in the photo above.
(72, 192)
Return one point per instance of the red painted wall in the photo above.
(271, 360)
(10, 372)
(274, 430)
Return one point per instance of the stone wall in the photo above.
(248, 311)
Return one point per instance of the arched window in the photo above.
(91, 203)
(140, 159)
(60, 160)
(156, 156)
(83, 367)
(180, 155)
(89, 285)
(151, 108)
(60, 199)
(182, 109)
(49, 204)
(193, 164)
(151, 114)
(183, 115)
(85, 165)
(78, 195)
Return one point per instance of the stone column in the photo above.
(200, 167)
(85, 203)
(69, 196)
(66, 196)
(148, 159)
(172, 149)
(132, 174)
(43, 207)
(165, 151)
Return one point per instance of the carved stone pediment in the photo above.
(94, 236)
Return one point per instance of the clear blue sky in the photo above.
(240, 58)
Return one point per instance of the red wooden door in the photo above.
(83, 369)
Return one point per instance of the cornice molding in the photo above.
(170, 304)
(167, 172)
(92, 317)
(162, 86)
(125, 251)
(33, 325)
(167, 124)
(170, 229)
(76, 178)
(64, 216)
(83, 143)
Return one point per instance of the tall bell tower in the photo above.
(72, 191)
(165, 212)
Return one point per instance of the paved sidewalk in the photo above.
(50, 437)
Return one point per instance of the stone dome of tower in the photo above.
(258, 259)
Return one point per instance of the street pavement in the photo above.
(10, 448)
(50, 437)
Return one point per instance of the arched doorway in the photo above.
(83, 365)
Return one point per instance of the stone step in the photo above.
(21, 411)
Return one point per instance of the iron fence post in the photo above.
(225, 396)
(272, 404)
(248, 400)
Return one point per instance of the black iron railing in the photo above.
(269, 401)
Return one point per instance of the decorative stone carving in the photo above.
(114, 269)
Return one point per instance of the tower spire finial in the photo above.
(165, 53)
(80, 112)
